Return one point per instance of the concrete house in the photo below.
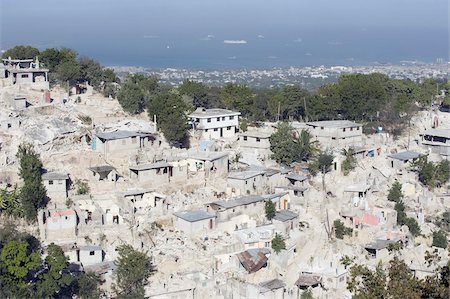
(90, 255)
(26, 72)
(57, 225)
(194, 222)
(121, 141)
(247, 182)
(253, 205)
(285, 221)
(214, 123)
(56, 184)
(436, 140)
(211, 164)
(155, 174)
(256, 142)
(399, 161)
(336, 133)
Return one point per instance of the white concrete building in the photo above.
(57, 225)
(195, 222)
(336, 133)
(56, 184)
(437, 141)
(214, 123)
(256, 143)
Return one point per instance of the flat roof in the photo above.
(121, 135)
(257, 134)
(285, 215)
(240, 201)
(244, 175)
(333, 124)
(208, 156)
(90, 248)
(27, 70)
(405, 156)
(194, 216)
(438, 132)
(156, 165)
(270, 285)
(207, 113)
(54, 176)
(357, 188)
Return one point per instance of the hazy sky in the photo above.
(86, 24)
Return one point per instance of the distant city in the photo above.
(308, 77)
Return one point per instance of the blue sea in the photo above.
(200, 34)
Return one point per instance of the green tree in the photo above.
(132, 273)
(340, 230)
(91, 71)
(440, 239)
(288, 149)
(307, 294)
(350, 160)
(278, 243)
(68, 71)
(16, 263)
(237, 97)
(21, 52)
(131, 97)
(170, 111)
(395, 193)
(33, 195)
(413, 226)
(324, 161)
(197, 91)
(56, 279)
(270, 210)
(88, 286)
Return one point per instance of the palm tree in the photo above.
(307, 147)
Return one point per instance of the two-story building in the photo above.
(336, 133)
(26, 72)
(256, 143)
(437, 140)
(214, 123)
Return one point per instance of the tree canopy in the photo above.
(21, 52)
(133, 270)
(33, 195)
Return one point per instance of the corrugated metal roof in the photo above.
(101, 168)
(244, 200)
(272, 284)
(296, 177)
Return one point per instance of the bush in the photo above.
(270, 210)
(278, 243)
(395, 193)
(440, 239)
(82, 187)
(340, 230)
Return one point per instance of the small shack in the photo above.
(195, 222)
(104, 173)
(399, 160)
(56, 184)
